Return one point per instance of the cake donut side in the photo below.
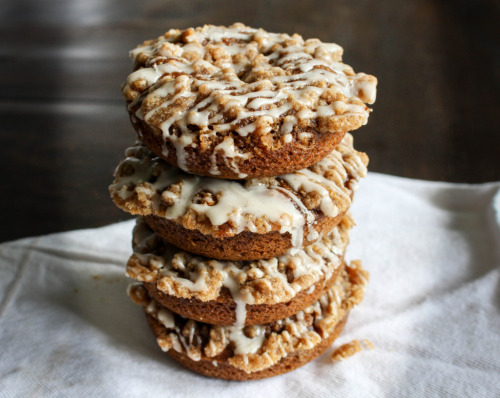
(245, 245)
(226, 292)
(238, 102)
(239, 219)
(258, 351)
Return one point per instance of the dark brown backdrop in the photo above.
(63, 126)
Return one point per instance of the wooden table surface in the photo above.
(63, 124)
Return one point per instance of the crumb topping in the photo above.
(271, 281)
(290, 203)
(257, 347)
(212, 84)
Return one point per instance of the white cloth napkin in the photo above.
(431, 309)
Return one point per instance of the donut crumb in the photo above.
(349, 349)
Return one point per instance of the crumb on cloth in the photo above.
(349, 349)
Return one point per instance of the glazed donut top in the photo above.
(270, 281)
(258, 347)
(145, 185)
(214, 80)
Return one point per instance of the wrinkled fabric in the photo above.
(431, 309)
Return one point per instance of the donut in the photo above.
(226, 292)
(258, 351)
(239, 219)
(237, 102)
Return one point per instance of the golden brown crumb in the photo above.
(349, 349)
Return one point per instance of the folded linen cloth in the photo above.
(431, 309)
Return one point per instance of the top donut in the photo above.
(238, 102)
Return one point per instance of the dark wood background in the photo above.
(63, 125)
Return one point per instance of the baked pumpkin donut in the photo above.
(229, 292)
(237, 102)
(258, 351)
(239, 219)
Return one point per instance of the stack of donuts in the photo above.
(242, 178)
